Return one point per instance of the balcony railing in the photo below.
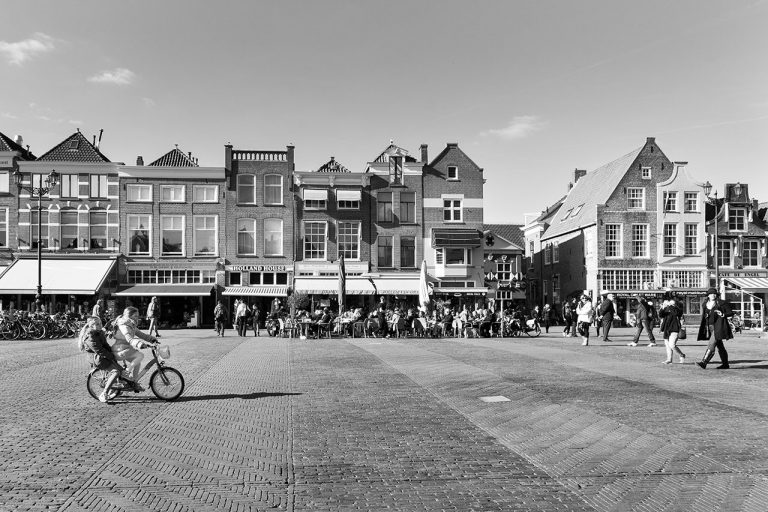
(259, 156)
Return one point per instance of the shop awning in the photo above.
(314, 194)
(397, 286)
(59, 276)
(330, 286)
(456, 238)
(749, 284)
(457, 292)
(257, 290)
(165, 290)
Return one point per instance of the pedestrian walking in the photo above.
(567, 317)
(643, 316)
(671, 314)
(241, 317)
(585, 313)
(598, 319)
(153, 316)
(220, 316)
(546, 316)
(607, 311)
(715, 328)
(255, 318)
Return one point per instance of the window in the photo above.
(205, 230)
(349, 240)
(724, 253)
(613, 240)
(348, 199)
(555, 288)
(314, 240)
(273, 237)
(246, 236)
(98, 185)
(750, 253)
(645, 172)
(682, 278)
(691, 201)
(556, 252)
(407, 207)
(639, 240)
(670, 201)
(636, 198)
(670, 239)
(589, 242)
(3, 227)
(503, 271)
(737, 218)
(172, 234)
(547, 254)
(396, 169)
(246, 189)
(626, 279)
(407, 252)
(98, 230)
(691, 239)
(139, 227)
(315, 204)
(235, 278)
(138, 193)
(68, 221)
(273, 189)
(439, 260)
(452, 210)
(458, 256)
(172, 193)
(5, 182)
(384, 207)
(385, 251)
(69, 186)
(205, 193)
(453, 172)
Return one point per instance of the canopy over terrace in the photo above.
(62, 276)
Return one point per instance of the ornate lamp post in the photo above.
(707, 190)
(50, 181)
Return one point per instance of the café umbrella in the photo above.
(423, 286)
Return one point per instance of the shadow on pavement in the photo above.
(246, 396)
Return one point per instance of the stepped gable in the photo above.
(174, 158)
(8, 144)
(74, 148)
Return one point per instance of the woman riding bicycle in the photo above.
(128, 342)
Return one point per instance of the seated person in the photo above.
(447, 321)
(323, 322)
(128, 342)
(94, 341)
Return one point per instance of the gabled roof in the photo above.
(393, 150)
(174, 158)
(448, 147)
(550, 211)
(580, 206)
(512, 233)
(74, 148)
(8, 144)
(332, 166)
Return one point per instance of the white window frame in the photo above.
(744, 217)
(105, 225)
(671, 196)
(757, 252)
(306, 242)
(453, 209)
(148, 229)
(76, 226)
(646, 173)
(467, 257)
(195, 219)
(197, 190)
(102, 184)
(252, 231)
(646, 241)
(665, 236)
(556, 252)
(73, 179)
(686, 196)
(176, 193)
(687, 237)
(163, 218)
(729, 244)
(281, 202)
(358, 242)
(267, 232)
(137, 189)
(4, 228)
(619, 241)
(241, 186)
(381, 216)
(547, 253)
(316, 204)
(455, 177)
(630, 199)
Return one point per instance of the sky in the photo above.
(531, 90)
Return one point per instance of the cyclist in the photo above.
(94, 341)
(128, 342)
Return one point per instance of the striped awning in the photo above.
(165, 290)
(751, 284)
(456, 238)
(461, 291)
(257, 291)
(330, 286)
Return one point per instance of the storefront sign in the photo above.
(6, 162)
(744, 273)
(257, 268)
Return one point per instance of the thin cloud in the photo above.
(8, 115)
(21, 51)
(518, 128)
(118, 76)
(148, 102)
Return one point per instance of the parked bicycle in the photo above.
(36, 326)
(166, 383)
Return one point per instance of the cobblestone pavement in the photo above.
(372, 424)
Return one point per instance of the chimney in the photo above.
(650, 140)
(453, 145)
(101, 132)
(18, 139)
(139, 160)
(424, 154)
(228, 156)
(189, 154)
(289, 156)
(570, 186)
(577, 174)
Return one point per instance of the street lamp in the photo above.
(707, 190)
(44, 187)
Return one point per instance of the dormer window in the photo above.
(74, 144)
(453, 172)
(737, 219)
(396, 169)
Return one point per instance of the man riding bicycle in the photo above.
(128, 342)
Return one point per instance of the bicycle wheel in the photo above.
(533, 332)
(167, 383)
(95, 383)
(37, 331)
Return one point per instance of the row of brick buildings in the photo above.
(640, 225)
(255, 228)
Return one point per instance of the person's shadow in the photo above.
(230, 396)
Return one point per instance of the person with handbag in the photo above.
(585, 313)
(715, 328)
(672, 326)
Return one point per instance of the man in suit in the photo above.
(643, 314)
(607, 311)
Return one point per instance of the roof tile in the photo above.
(74, 148)
(174, 158)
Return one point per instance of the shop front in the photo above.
(399, 290)
(473, 298)
(256, 285)
(68, 284)
(324, 291)
(181, 305)
(626, 302)
(747, 292)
